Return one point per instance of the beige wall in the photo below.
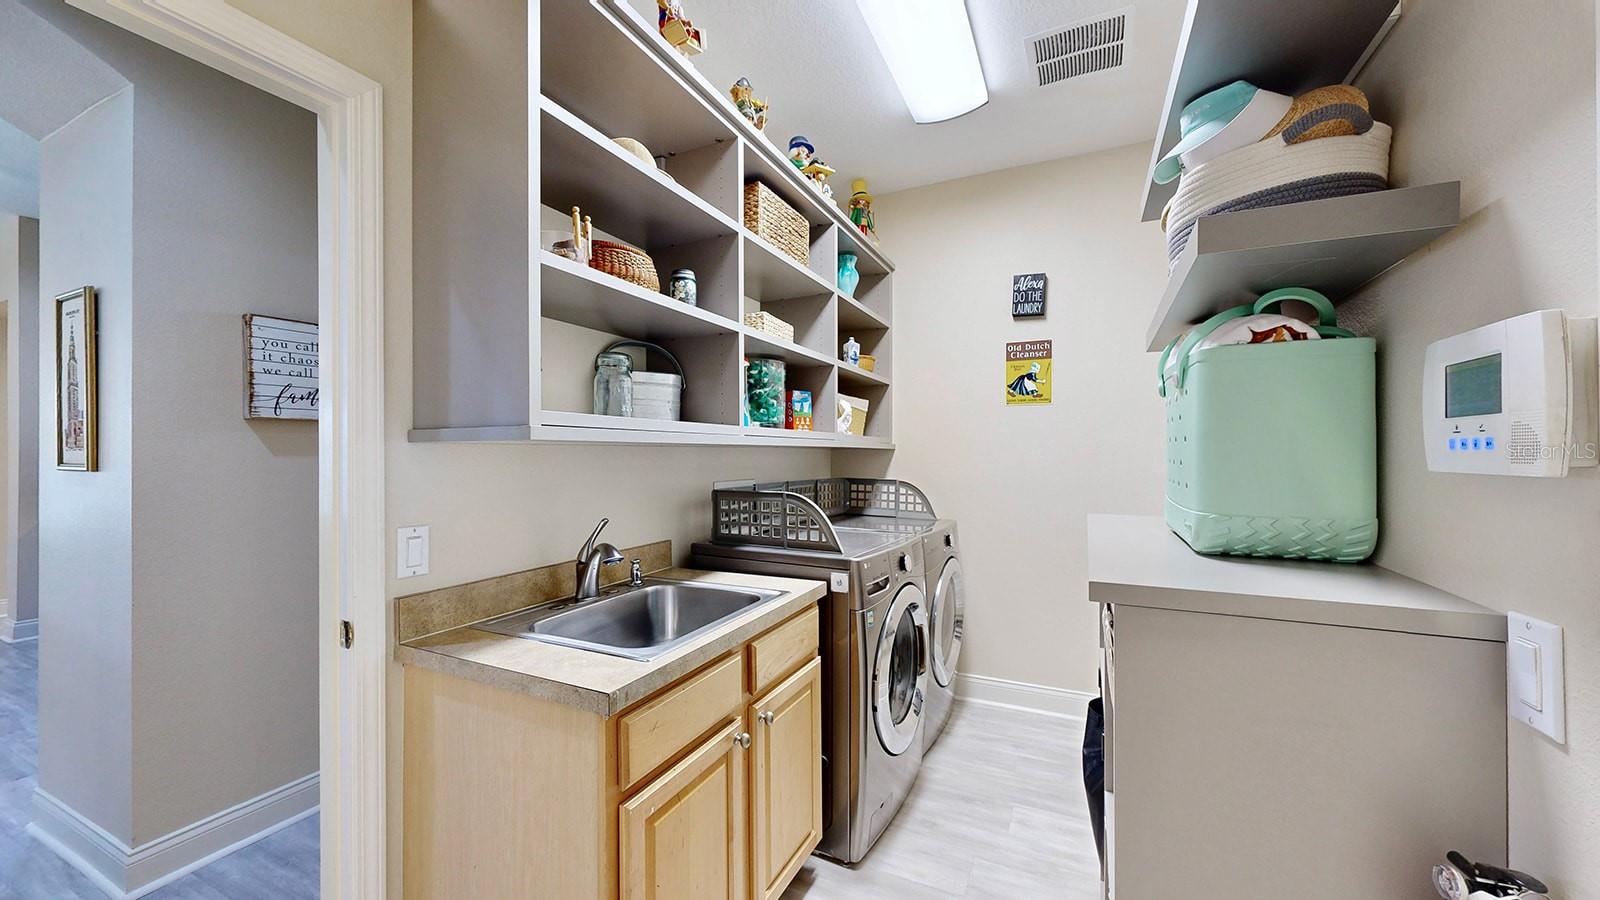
(1020, 480)
(1504, 101)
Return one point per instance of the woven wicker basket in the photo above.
(767, 323)
(766, 214)
(625, 262)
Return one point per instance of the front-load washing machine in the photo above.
(875, 648)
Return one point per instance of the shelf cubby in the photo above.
(770, 274)
(857, 316)
(814, 320)
(579, 295)
(624, 196)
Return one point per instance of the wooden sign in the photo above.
(1028, 372)
(1027, 295)
(280, 368)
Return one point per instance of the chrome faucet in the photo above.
(589, 561)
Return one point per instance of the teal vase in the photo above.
(848, 276)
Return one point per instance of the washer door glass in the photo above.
(949, 620)
(900, 671)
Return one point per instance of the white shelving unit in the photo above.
(505, 331)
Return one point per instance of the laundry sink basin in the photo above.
(640, 622)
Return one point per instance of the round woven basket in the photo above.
(625, 262)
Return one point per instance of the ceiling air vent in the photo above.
(1092, 45)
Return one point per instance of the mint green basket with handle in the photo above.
(1272, 449)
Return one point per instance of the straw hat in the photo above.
(1333, 111)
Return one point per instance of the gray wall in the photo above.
(1504, 101)
(86, 520)
(208, 580)
(22, 431)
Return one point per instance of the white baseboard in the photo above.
(15, 631)
(126, 873)
(1034, 698)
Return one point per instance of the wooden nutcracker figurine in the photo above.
(861, 209)
(678, 30)
(744, 100)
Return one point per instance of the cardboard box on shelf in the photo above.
(852, 415)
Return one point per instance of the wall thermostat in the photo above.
(1517, 397)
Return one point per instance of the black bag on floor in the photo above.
(1094, 772)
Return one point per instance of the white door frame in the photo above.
(350, 443)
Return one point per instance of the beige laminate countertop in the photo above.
(598, 682)
(1138, 561)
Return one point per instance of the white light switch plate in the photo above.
(1535, 683)
(411, 551)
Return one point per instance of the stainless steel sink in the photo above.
(635, 622)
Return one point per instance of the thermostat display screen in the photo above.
(1472, 388)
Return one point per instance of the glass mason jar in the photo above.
(613, 384)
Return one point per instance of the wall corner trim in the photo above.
(129, 872)
(1039, 699)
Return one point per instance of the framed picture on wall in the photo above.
(77, 420)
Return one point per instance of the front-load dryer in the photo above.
(947, 614)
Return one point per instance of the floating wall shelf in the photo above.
(1288, 46)
(1333, 246)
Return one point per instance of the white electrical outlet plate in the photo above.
(839, 582)
(411, 551)
(1535, 683)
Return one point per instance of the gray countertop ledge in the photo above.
(1138, 561)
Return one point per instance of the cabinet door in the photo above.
(786, 792)
(682, 837)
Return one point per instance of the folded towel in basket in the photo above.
(1271, 173)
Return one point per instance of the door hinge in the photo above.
(347, 633)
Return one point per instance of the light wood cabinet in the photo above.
(705, 789)
(682, 837)
(786, 779)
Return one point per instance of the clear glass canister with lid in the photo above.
(613, 384)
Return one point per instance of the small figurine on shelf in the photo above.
(678, 30)
(861, 209)
(744, 100)
(801, 151)
(804, 157)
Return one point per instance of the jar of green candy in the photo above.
(764, 391)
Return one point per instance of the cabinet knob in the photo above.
(766, 717)
(742, 739)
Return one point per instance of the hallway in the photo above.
(281, 866)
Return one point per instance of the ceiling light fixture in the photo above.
(931, 54)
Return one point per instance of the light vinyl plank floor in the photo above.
(997, 813)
